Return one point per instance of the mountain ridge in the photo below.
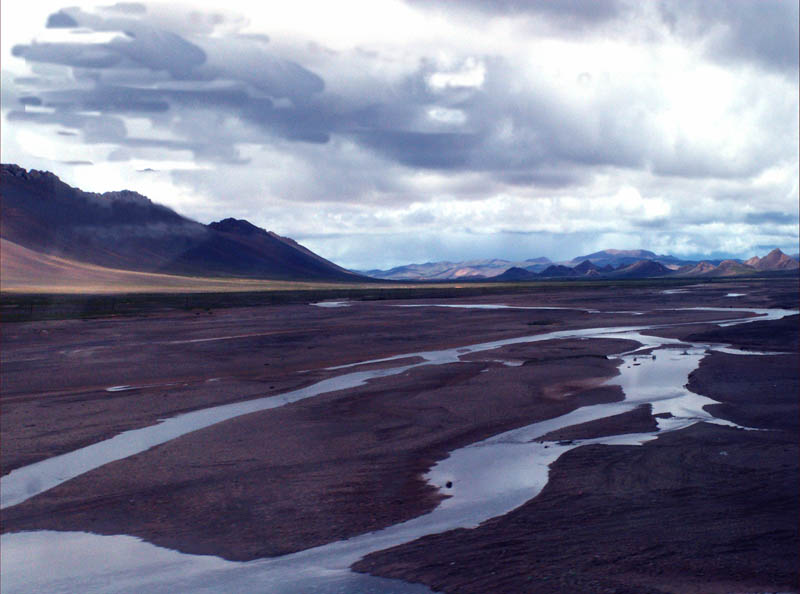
(608, 263)
(126, 230)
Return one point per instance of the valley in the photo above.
(287, 484)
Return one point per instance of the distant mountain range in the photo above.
(47, 225)
(456, 270)
(125, 230)
(602, 264)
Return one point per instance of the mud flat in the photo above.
(319, 470)
(57, 374)
(704, 509)
(708, 508)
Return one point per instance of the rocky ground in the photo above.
(706, 509)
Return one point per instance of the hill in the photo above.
(467, 269)
(27, 271)
(775, 260)
(642, 269)
(776, 263)
(514, 274)
(621, 258)
(558, 271)
(127, 231)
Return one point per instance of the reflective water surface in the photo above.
(486, 479)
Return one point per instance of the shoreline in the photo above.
(733, 493)
(171, 490)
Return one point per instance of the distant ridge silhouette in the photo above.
(125, 230)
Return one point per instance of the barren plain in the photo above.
(707, 508)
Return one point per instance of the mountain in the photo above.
(639, 269)
(699, 269)
(586, 267)
(558, 271)
(775, 260)
(642, 269)
(731, 268)
(621, 258)
(595, 265)
(127, 231)
(33, 272)
(641, 254)
(468, 269)
(515, 273)
(537, 264)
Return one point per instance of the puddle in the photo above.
(125, 564)
(332, 304)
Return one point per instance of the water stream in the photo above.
(486, 479)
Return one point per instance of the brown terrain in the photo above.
(706, 509)
(29, 271)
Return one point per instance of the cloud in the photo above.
(761, 33)
(127, 8)
(616, 120)
(777, 218)
(61, 20)
(465, 112)
(159, 74)
(566, 13)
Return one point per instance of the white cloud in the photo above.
(371, 120)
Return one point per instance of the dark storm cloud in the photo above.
(69, 54)
(548, 145)
(657, 223)
(160, 74)
(552, 179)
(142, 45)
(157, 50)
(122, 99)
(776, 218)
(95, 128)
(127, 8)
(761, 32)
(61, 20)
(105, 129)
(565, 11)
(214, 93)
(446, 150)
(546, 142)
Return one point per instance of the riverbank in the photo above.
(322, 469)
(349, 462)
(704, 510)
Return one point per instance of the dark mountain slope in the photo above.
(558, 271)
(775, 260)
(515, 273)
(622, 258)
(126, 230)
(586, 267)
(641, 269)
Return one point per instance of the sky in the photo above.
(384, 132)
